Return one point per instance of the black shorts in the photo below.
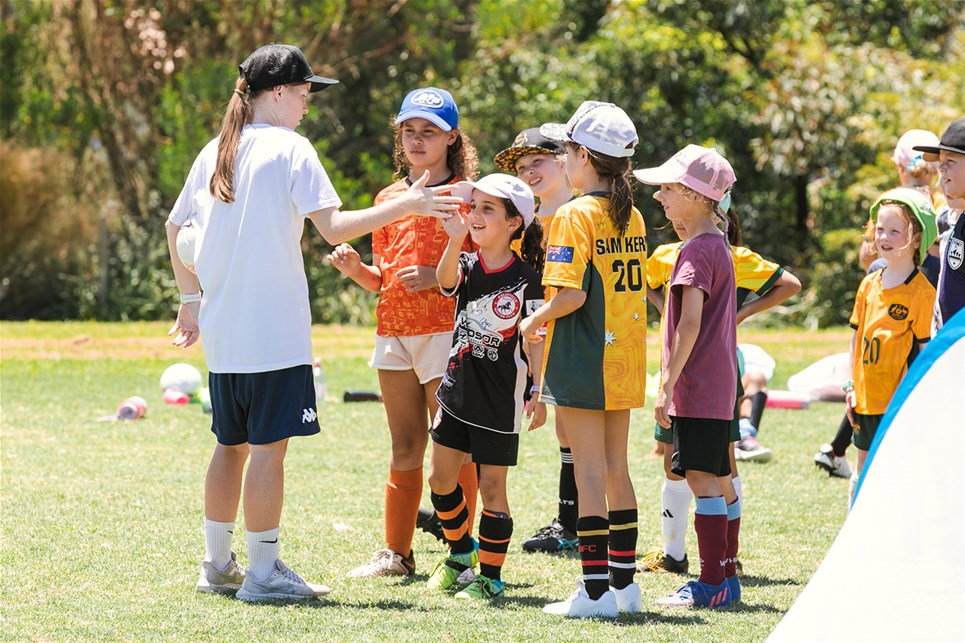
(864, 433)
(485, 446)
(261, 408)
(700, 444)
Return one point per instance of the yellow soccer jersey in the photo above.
(888, 325)
(596, 356)
(660, 265)
(752, 272)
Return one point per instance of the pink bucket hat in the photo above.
(701, 169)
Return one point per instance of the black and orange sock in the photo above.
(594, 534)
(495, 532)
(469, 481)
(452, 512)
(623, 547)
(403, 492)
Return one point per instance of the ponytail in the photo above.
(238, 114)
(531, 250)
(732, 226)
(616, 172)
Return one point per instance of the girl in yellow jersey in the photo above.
(595, 259)
(892, 312)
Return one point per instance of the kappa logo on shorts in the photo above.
(506, 305)
(898, 312)
(956, 253)
(308, 415)
(428, 98)
(559, 254)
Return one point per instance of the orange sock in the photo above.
(403, 493)
(470, 487)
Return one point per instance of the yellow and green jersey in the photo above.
(596, 356)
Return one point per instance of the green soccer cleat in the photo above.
(483, 588)
(448, 570)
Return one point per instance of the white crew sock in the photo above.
(217, 542)
(738, 488)
(851, 487)
(262, 552)
(676, 499)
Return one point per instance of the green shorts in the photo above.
(864, 433)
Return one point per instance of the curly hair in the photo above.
(461, 157)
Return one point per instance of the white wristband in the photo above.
(190, 299)
(536, 388)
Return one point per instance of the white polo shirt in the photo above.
(255, 314)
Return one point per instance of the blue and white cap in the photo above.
(433, 104)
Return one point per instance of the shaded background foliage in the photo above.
(105, 103)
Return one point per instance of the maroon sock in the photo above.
(710, 523)
(733, 537)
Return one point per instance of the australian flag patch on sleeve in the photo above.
(559, 254)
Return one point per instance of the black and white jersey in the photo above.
(486, 377)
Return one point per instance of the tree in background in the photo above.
(806, 100)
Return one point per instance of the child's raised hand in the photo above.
(457, 226)
(345, 259)
(536, 411)
(432, 202)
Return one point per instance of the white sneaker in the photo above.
(222, 581)
(580, 605)
(385, 562)
(750, 449)
(628, 598)
(283, 583)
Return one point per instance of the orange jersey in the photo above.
(413, 240)
(889, 324)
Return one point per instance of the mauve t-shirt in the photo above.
(707, 386)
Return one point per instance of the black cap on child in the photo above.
(953, 140)
(274, 65)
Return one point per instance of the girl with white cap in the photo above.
(596, 258)
(481, 397)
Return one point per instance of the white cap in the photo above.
(502, 186)
(905, 153)
(601, 127)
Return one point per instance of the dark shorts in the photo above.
(864, 434)
(661, 434)
(486, 447)
(261, 408)
(700, 444)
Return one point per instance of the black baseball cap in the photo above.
(953, 140)
(274, 65)
(529, 141)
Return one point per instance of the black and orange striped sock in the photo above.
(452, 512)
(623, 547)
(495, 532)
(594, 534)
(469, 481)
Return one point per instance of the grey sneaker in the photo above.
(385, 562)
(222, 581)
(836, 467)
(283, 583)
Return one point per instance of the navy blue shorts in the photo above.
(485, 446)
(261, 408)
(700, 444)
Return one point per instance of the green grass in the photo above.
(102, 522)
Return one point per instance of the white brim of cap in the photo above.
(432, 117)
(666, 173)
(463, 190)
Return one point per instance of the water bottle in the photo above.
(319, 376)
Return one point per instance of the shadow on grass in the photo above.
(764, 581)
(745, 608)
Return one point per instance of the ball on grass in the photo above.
(181, 377)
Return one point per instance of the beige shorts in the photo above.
(427, 355)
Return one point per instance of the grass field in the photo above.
(102, 522)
